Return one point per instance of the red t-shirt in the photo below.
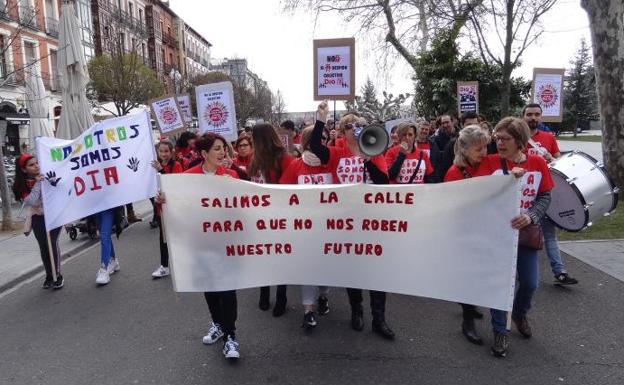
(286, 160)
(409, 166)
(350, 168)
(300, 173)
(172, 168)
(242, 163)
(425, 146)
(454, 173)
(340, 142)
(545, 140)
(536, 180)
(220, 171)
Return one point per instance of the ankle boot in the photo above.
(469, 330)
(381, 327)
(357, 317)
(265, 294)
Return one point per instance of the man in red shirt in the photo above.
(545, 145)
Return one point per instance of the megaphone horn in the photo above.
(372, 139)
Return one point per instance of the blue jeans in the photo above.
(105, 227)
(552, 247)
(528, 279)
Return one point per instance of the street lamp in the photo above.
(176, 78)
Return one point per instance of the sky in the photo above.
(278, 45)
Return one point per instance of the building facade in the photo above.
(197, 50)
(28, 42)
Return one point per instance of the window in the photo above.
(4, 56)
(131, 9)
(141, 16)
(30, 52)
(53, 71)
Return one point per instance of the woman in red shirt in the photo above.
(269, 161)
(309, 170)
(512, 137)
(407, 163)
(222, 304)
(164, 165)
(352, 167)
(244, 151)
(185, 149)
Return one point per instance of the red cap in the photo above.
(23, 159)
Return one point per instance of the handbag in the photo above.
(531, 236)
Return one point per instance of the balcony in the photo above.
(28, 16)
(169, 40)
(52, 27)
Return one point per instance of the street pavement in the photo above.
(136, 330)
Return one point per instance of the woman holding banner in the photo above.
(27, 189)
(223, 305)
(269, 161)
(512, 136)
(164, 165)
(309, 170)
(351, 167)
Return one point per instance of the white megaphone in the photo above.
(372, 139)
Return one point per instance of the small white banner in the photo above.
(547, 91)
(215, 109)
(184, 102)
(451, 241)
(108, 165)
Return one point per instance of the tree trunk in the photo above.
(7, 219)
(507, 68)
(606, 19)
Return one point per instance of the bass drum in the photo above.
(583, 191)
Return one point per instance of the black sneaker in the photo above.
(309, 320)
(522, 324)
(501, 344)
(58, 283)
(322, 305)
(565, 279)
(47, 283)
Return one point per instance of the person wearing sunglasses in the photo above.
(244, 151)
(351, 166)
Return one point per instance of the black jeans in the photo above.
(164, 252)
(377, 303)
(223, 309)
(38, 227)
(280, 294)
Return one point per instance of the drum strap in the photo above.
(542, 151)
(503, 164)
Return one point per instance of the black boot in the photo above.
(265, 295)
(381, 327)
(469, 330)
(280, 301)
(357, 317)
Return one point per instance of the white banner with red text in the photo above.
(108, 165)
(451, 241)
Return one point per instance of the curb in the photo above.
(31, 272)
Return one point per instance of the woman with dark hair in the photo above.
(244, 152)
(269, 161)
(185, 149)
(309, 170)
(27, 189)
(351, 166)
(165, 164)
(407, 163)
(222, 305)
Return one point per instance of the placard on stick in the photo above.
(547, 91)
(334, 69)
(216, 111)
(184, 102)
(167, 114)
(467, 97)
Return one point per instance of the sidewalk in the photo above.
(20, 258)
(607, 256)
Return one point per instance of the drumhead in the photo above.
(567, 206)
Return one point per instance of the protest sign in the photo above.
(184, 102)
(334, 69)
(215, 109)
(547, 91)
(467, 97)
(451, 241)
(108, 165)
(167, 114)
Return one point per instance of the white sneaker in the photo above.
(214, 334)
(230, 348)
(102, 277)
(161, 272)
(113, 266)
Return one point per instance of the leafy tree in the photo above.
(372, 109)
(124, 80)
(580, 99)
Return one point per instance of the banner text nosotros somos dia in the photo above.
(451, 241)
